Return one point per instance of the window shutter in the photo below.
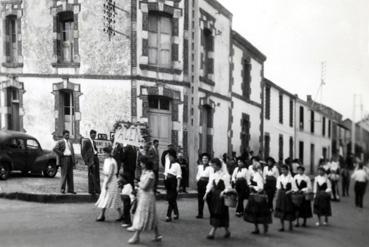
(210, 65)
(7, 40)
(210, 118)
(57, 44)
(59, 108)
(209, 144)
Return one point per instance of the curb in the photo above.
(70, 198)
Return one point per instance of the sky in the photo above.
(297, 36)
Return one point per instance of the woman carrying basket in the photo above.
(322, 201)
(303, 185)
(240, 178)
(219, 183)
(257, 210)
(284, 209)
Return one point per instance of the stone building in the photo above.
(279, 122)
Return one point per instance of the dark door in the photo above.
(33, 151)
(17, 152)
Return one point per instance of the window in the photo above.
(312, 121)
(68, 105)
(245, 132)
(301, 118)
(246, 89)
(11, 45)
(32, 144)
(159, 103)
(291, 147)
(17, 144)
(301, 151)
(13, 104)
(280, 153)
(267, 102)
(329, 128)
(160, 40)
(208, 47)
(291, 113)
(281, 108)
(66, 43)
(323, 126)
(267, 145)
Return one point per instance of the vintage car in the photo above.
(22, 152)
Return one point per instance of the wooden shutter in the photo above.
(59, 108)
(7, 39)
(58, 43)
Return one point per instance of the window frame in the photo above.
(159, 17)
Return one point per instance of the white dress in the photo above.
(110, 198)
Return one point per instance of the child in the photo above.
(127, 198)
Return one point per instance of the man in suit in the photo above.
(89, 155)
(154, 157)
(64, 151)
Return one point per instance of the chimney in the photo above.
(308, 98)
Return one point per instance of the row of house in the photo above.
(175, 64)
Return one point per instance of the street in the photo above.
(34, 224)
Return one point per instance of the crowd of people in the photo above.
(257, 189)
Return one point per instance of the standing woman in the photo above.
(334, 177)
(110, 196)
(173, 175)
(257, 210)
(219, 183)
(240, 179)
(361, 178)
(204, 170)
(322, 201)
(303, 185)
(145, 217)
(270, 174)
(284, 209)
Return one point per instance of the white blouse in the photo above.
(258, 179)
(174, 169)
(284, 180)
(297, 179)
(334, 166)
(216, 177)
(240, 173)
(321, 180)
(201, 172)
(360, 175)
(273, 172)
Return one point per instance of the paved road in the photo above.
(33, 224)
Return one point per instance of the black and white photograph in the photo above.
(184, 123)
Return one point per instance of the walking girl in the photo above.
(303, 186)
(257, 210)
(145, 217)
(270, 175)
(240, 179)
(219, 183)
(204, 171)
(173, 175)
(110, 196)
(284, 209)
(322, 201)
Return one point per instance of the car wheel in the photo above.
(4, 172)
(50, 170)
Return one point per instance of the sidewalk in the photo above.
(37, 188)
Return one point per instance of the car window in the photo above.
(16, 143)
(32, 144)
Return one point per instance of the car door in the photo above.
(33, 151)
(16, 150)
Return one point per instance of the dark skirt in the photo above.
(242, 188)
(304, 210)
(219, 215)
(257, 211)
(284, 208)
(270, 188)
(322, 204)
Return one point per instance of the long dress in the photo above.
(270, 176)
(240, 179)
(304, 210)
(257, 210)
(322, 201)
(219, 213)
(284, 208)
(110, 198)
(145, 217)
